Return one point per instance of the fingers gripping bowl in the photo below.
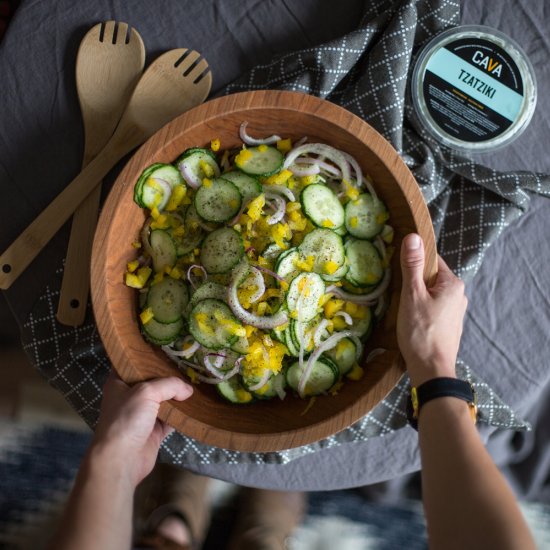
(262, 425)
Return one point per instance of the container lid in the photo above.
(473, 88)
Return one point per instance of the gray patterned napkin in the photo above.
(366, 72)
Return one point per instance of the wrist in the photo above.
(421, 371)
(106, 460)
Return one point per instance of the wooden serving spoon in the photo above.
(109, 63)
(172, 84)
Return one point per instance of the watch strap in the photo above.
(440, 387)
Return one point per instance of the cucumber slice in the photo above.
(240, 346)
(303, 332)
(322, 206)
(191, 165)
(234, 392)
(338, 275)
(228, 361)
(343, 355)
(218, 202)
(164, 249)
(285, 266)
(157, 187)
(168, 299)
(325, 246)
(222, 250)
(365, 264)
(322, 377)
(260, 161)
(272, 252)
(304, 294)
(365, 217)
(162, 333)
(363, 327)
(289, 342)
(248, 187)
(209, 289)
(138, 187)
(268, 391)
(206, 324)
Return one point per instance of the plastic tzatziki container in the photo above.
(473, 89)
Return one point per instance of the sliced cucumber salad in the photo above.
(261, 270)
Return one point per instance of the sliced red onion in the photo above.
(214, 367)
(268, 272)
(238, 214)
(144, 236)
(265, 377)
(300, 142)
(190, 274)
(258, 282)
(166, 191)
(306, 170)
(375, 353)
(346, 316)
(319, 332)
(380, 306)
(381, 247)
(327, 151)
(280, 318)
(280, 209)
(358, 346)
(186, 353)
(328, 344)
(278, 386)
(253, 141)
(322, 164)
(281, 190)
(189, 176)
(364, 299)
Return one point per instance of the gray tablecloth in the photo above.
(39, 154)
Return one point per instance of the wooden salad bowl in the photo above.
(262, 425)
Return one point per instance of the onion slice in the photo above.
(374, 353)
(190, 274)
(327, 151)
(280, 318)
(346, 316)
(280, 208)
(329, 343)
(254, 141)
(309, 169)
(190, 178)
(364, 299)
(281, 190)
(263, 381)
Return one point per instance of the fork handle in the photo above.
(38, 234)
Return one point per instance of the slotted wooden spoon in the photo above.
(109, 63)
(172, 84)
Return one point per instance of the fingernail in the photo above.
(412, 242)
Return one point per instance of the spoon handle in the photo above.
(36, 236)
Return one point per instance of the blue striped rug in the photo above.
(38, 464)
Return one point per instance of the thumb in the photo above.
(412, 263)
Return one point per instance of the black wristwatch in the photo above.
(440, 387)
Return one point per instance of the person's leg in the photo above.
(266, 519)
(172, 509)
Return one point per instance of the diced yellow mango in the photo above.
(333, 306)
(284, 145)
(243, 157)
(178, 192)
(356, 373)
(132, 266)
(330, 267)
(215, 145)
(146, 315)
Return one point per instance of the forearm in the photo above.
(100, 507)
(466, 499)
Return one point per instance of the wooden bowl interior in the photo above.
(263, 425)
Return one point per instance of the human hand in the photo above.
(129, 433)
(429, 322)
